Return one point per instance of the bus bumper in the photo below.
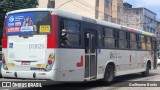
(50, 75)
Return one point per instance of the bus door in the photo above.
(90, 55)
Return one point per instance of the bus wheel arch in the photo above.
(148, 67)
(109, 73)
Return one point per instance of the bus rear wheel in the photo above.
(109, 74)
(146, 73)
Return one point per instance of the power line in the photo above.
(84, 4)
(64, 3)
(82, 7)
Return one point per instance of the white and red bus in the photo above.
(61, 46)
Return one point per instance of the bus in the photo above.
(56, 45)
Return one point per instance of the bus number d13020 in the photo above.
(36, 46)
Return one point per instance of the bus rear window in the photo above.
(28, 23)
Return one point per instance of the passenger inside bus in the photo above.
(64, 39)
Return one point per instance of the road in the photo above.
(122, 83)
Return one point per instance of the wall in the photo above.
(43, 4)
(115, 14)
(82, 7)
(88, 8)
(136, 18)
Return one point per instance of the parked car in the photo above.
(158, 60)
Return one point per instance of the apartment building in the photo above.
(108, 10)
(117, 11)
(158, 33)
(46, 4)
(139, 18)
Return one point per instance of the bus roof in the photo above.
(82, 18)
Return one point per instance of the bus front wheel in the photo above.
(109, 74)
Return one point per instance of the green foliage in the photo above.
(10, 5)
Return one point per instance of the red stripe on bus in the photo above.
(132, 30)
(4, 41)
(52, 39)
(4, 38)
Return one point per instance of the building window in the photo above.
(157, 33)
(119, 9)
(148, 29)
(51, 3)
(97, 2)
(153, 31)
(96, 16)
(106, 18)
(107, 3)
(118, 21)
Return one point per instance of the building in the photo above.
(117, 11)
(108, 10)
(46, 4)
(158, 34)
(139, 18)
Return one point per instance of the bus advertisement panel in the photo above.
(21, 23)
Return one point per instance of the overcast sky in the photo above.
(153, 5)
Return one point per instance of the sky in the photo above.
(153, 5)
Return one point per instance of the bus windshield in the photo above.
(28, 23)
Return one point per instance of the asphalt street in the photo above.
(124, 82)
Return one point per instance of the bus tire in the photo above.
(109, 74)
(146, 73)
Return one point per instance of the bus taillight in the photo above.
(49, 62)
(51, 57)
(4, 62)
(3, 59)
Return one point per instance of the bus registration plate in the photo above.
(25, 63)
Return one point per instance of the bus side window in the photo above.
(117, 38)
(109, 39)
(143, 42)
(138, 41)
(64, 39)
(70, 33)
(148, 44)
(63, 32)
(122, 39)
(133, 41)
